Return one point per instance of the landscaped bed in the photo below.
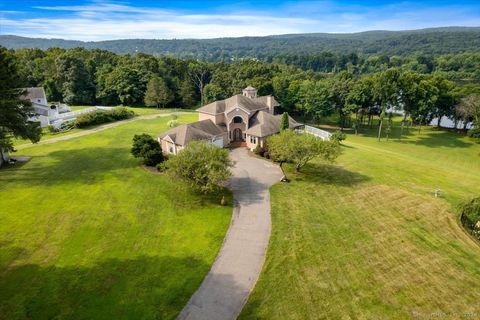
(87, 233)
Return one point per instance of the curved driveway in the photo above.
(235, 271)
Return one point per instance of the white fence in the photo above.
(72, 114)
(324, 135)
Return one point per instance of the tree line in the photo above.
(85, 77)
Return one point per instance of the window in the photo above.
(171, 149)
(253, 139)
(237, 120)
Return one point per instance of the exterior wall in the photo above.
(168, 147)
(237, 112)
(217, 119)
(253, 142)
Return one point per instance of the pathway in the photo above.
(97, 129)
(235, 271)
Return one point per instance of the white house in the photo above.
(43, 113)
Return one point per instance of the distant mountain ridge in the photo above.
(427, 41)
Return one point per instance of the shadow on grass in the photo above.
(327, 174)
(435, 139)
(86, 165)
(142, 288)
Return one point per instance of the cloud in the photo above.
(101, 20)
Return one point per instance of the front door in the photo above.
(237, 135)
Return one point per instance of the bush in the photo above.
(470, 217)
(260, 151)
(103, 116)
(146, 147)
(338, 136)
(474, 134)
(172, 123)
(203, 166)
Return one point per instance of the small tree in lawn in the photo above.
(147, 148)
(299, 149)
(284, 123)
(202, 165)
(157, 94)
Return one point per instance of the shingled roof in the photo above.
(263, 124)
(34, 93)
(237, 100)
(200, 130)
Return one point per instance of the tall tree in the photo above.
(200, 73)
(158, 93)
(14, 111)
(284, 123)
(386, 92)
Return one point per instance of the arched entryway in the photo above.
(237, 135)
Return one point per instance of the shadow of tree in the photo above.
(142, 288)
(86, 165)
(440, 139)
(327, 174)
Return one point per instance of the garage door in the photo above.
(218, 142)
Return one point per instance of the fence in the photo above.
(72, 114)
(324, 135)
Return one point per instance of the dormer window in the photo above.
(237, 120)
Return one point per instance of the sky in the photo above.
(94, 20)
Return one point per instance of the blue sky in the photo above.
(110, 19)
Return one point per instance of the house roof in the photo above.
(239, 100)
(200, 130)
(263, 124)
(34, 93)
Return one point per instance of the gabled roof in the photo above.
(239, 100)
(200, 130)
(34, 93)
(263, 124)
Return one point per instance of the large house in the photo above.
(43, 113)
(243, 119)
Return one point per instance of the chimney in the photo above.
(270, 104)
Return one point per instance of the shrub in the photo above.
(474, 133)
(202, 165)
(259, 150)
(172, 123)
(147, 148)
(470, 217)
(103, 116)
(51, 129)
(338, 136)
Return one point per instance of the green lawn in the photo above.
(366, 239)
(46, 135)
(87, 233)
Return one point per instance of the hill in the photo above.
(426, 41)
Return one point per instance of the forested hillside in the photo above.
(425, 41)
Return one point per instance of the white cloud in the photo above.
(101, 20)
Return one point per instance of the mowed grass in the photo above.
(87, 233)
(366, 238)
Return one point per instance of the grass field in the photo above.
(46, 135)
(366, 238)
(87, 233)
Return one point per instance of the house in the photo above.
(43, 113)
(242, 120)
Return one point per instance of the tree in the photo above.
(147, 148)
(284, 123)
(203, 166)
(386, 92)
(199, 73)
(213, 92)
(187, 94)
(14, 111)
(315, 99)
(299, 149)
(126, 84)
(77, 87)
(157, 94)
(469, 108)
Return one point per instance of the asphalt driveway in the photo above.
(235, 271)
